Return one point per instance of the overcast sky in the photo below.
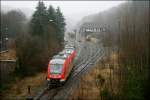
(72, 10)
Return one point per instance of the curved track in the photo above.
(89, 55)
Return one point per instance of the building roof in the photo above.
(92, 28)
(91, 25)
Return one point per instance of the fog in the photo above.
(73, 11)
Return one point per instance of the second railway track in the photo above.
(90, 54)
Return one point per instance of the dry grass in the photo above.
(96, 80)
(87, 88)
(10, 55)
(19, 88)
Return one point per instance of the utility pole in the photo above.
(6, 38)
(75, 32)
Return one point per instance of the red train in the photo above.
(60, 66)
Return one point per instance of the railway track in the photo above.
(69, 86)
(89, 55)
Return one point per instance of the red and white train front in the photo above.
(60, 66)
(56, 70)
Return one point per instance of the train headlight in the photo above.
(62, 80)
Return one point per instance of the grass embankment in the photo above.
(19, 88)
(100, 82)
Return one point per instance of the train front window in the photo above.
(55, 68)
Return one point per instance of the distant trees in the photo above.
(39, 21)
(36, 40)
(61, 23)
(129, 24)
(45, 37)
(48, 23)
(14, 21)
(134, 46)
(13, 24)
(52, 14)
(133, 42)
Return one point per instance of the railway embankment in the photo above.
(18, 90)
(100, 82)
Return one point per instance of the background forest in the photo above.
(35, 40)
(128, 25)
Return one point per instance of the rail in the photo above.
(89, 57)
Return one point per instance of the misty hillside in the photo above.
(117, 17)
(112, 16)
(128, 25)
